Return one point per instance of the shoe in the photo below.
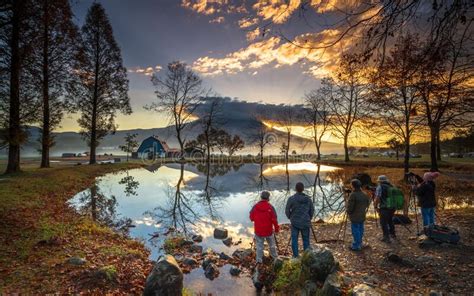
(385, 240)
(354, 249)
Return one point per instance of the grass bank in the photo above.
(40, 232)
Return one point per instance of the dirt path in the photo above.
(444, 268)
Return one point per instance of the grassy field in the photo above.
(40, 232)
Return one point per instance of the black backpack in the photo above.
(442, 234)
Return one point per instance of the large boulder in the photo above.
(319, 262)
(364, 290)
(332, 285)
(242, 254)
(166, 278)
(220, 233)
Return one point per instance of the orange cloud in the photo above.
(148, 71)
(320, 61)
(247, 22)
(210, 7)
(276, 10)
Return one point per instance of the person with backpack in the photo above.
(265, 220)
(385, 210)
(425, 191)
(300, 210)
(356, 209)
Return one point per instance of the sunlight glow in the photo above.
(299, 167)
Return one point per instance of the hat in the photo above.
(430, 176)
(265, 195)
(382, 178)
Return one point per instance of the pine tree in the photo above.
(54, 56)
(18, 102)
(104, 85)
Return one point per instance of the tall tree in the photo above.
(446, 82)
(286, 119)
(179, 92)
(54, 61)
(395, 100)
(234, 144)
(347, 94)
(317, 115)
(104, 85)
(18, 103)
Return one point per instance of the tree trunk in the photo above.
(287, 154)
(438, 145)
(94, 203)
(346, 150)
(406, 159)
(46, 135)
(14, 128)
(93, 139)
(396, 154)
(433, 149)
(318, 150)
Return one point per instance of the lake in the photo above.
(197, 198)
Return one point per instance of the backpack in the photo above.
(442, 234)
(395, 199)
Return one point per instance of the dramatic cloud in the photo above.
(247, 22)
(210, 7)
(308, 48)
(148, 71)
(276, 10)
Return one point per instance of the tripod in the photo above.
(412, 182)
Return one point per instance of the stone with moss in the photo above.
(318, 263)
(166, 278)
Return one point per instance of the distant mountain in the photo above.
(72, 142)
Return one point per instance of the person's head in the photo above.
(356, 184)
(382, 179)
(430, 176)
(265, 195)
(299, 187)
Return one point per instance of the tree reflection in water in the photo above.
(131, 185)
(103, 209)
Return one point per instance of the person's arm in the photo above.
(275, 220)
(252, 215)
(351, 204)
(288, 208)
(311, 208)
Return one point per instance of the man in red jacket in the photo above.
(265, 220)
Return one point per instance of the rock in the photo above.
(208, 260)
(278, 263)
(242, 253)
(424, 259)
(332, 285)
(197, 238)
(256, 280)
(435, 293)
(346, 281)
(195, 249)
(107, 273)
(220, 233)
(227, 241)
(166, 278)
(190, 262)
(370, 280)
(234, 271)
(178, 257)
(394, 258)
(186, 242)
(76, 261)
(224, 256)
(319, 261)
(211, 271)
(309, 289)
(364, 290)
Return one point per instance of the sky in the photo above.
(222, 41)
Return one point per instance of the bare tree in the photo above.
(395, 100)
(317, 115)
(234, 144)
(261, 135)
(286, 120)
(347, 93)
(210, 121)
(179, 91)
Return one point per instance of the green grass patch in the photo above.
(173, 243)
(290, 277)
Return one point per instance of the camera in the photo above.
(347, 190)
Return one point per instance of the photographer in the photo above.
(386, 213)
(356, 209)
(425, 191)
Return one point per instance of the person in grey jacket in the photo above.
(300, 210)
(356, 209)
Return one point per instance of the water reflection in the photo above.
(198, 198)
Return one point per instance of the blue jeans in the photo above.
(357, 234)
(428, 216)
(294, 239)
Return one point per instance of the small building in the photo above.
(152, 147)
(68, 155)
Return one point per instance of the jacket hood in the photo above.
(262, 205)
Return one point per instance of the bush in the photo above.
(289, 278)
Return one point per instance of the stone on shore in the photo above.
(220, 233)
(364, 290)
(234, 271)
(242, 254)
(227, 241)
(320, 262)
(332, 285)
(76, 261)
(211, 271)
(166, 278)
